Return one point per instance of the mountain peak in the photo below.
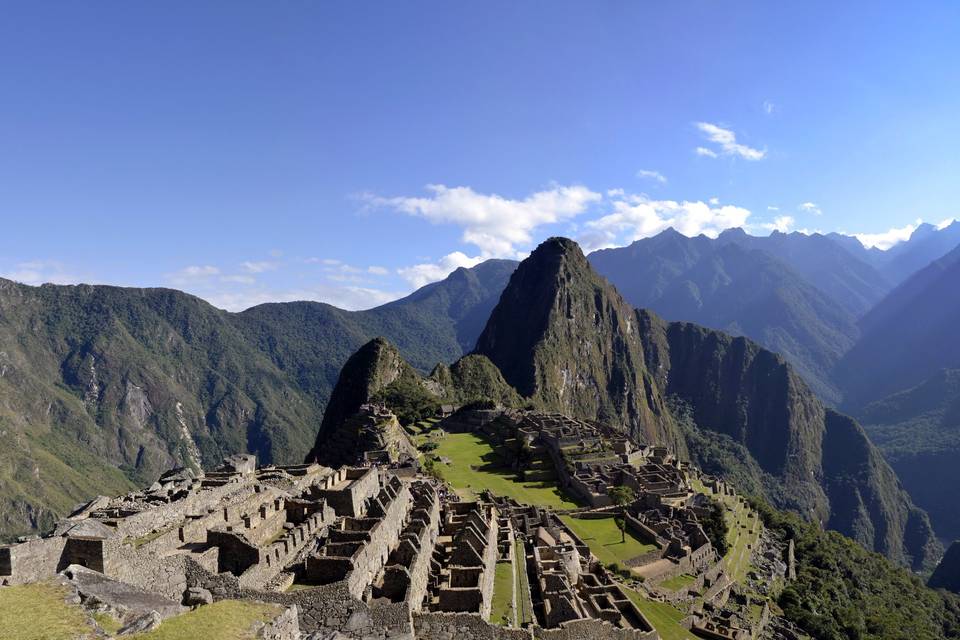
(732, 233)
(563, 336)
(557, 246)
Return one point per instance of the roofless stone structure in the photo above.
(362, 551)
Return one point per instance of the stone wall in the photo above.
(460, 626)
(349, 488)
(165, 575)
(286, 626)
(328, 607)
(33, 560)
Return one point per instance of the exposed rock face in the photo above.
(796, 295)
(748, 393)
(947, 574)
(565, 339)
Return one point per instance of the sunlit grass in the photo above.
(501, 611)
(475, 466)
(38, 612)
(664, 617)
(603, 537)
(225, 620)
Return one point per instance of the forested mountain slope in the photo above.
(101, 387)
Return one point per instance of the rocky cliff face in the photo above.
(947, 574)
(374, 367)
(565, 339)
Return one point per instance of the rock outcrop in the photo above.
(374, 367)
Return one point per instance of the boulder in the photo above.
(142, 624)
(196, 596)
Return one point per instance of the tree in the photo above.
(621, 496)
(715, 526)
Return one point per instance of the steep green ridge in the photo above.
(378, 373)
(947, 574)
(437, 323)
(103, 387)
(906, 338)
(375, 366)
(563, 337)
(794, 294)
(843, 591)
(99, 380)
(918, 431)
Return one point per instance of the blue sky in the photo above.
(350, 151)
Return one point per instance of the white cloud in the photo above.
(887, 239)
(783, 224)
(351, 298)
(636, 216)
(420, 274)
(810, 207)
(498, 226)
(652, 175)
(769, 107)
(239, 279)
(259, 267)
(943, 224)
(378, 271)
(727, 141)
(192, 274)
(714, 200)
(770, 207)
(37, 272)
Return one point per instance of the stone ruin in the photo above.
(378, 550)
(360, 551)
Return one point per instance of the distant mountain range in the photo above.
(772, 290)
(908, 337)
(103, 387)
(806, 297)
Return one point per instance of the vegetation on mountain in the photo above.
(563, 337)
(843, 591)
(715, 526)
(918, 431)
(102, 388)
(907, 338)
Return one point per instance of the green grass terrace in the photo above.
(475, 467)
(38, 612)
(603, 537)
